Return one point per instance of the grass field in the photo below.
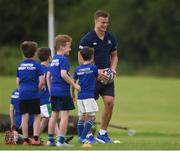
(150, 105)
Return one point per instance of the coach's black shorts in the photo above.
(103, 90)
(30, 106)
(62, 103)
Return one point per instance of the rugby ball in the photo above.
(110, 76)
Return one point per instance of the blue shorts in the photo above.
(103, 90)
(62, 103)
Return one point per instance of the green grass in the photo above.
(7, 85)
(150, 105)
(150, 141)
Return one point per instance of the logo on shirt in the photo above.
(84, 71)
(15, 95)
(109, 42)
(26, 66)
(55, 62)
(80, 47)
(94, 43)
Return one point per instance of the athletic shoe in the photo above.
(103, 138)
(58, 144)
(91, 139)
(25, 143)
(83, 141)
(68, 139)
(36, 143)
(50, 143)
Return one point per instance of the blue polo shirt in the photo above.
(44, 93)
(103, 48)
(28, 73)
(59, 87)
(15, 102)
(86, 74)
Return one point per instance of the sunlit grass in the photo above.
(149, 105)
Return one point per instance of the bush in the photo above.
(10, 57)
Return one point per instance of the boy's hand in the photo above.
(77, 87)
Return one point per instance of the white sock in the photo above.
(102, 132)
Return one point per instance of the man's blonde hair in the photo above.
(61, 40)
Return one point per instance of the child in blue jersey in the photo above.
(44, 55)
(15, 115)
(59, 82)
(86, 74)
(29, 81)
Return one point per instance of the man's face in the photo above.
(101, 24)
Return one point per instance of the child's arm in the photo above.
(41, 82)
(11, 114)
(73, 92)
(48, 79)
(17, 82)
(68, 79)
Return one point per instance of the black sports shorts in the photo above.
(30, 106)
(63, 103)
(103, 90)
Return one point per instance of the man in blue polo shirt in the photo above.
(105, 56)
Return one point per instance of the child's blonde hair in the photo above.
(61, 40)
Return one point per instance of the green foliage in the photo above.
(10, 57)
(23, 20)
(147, 31)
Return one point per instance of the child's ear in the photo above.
(61, 47)
(57, 48)
(50, 58)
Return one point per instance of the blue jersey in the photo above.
(86, 74)
(59, 87)
(28, 73)
(44, 93)
(15, 102)
(102, 48)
